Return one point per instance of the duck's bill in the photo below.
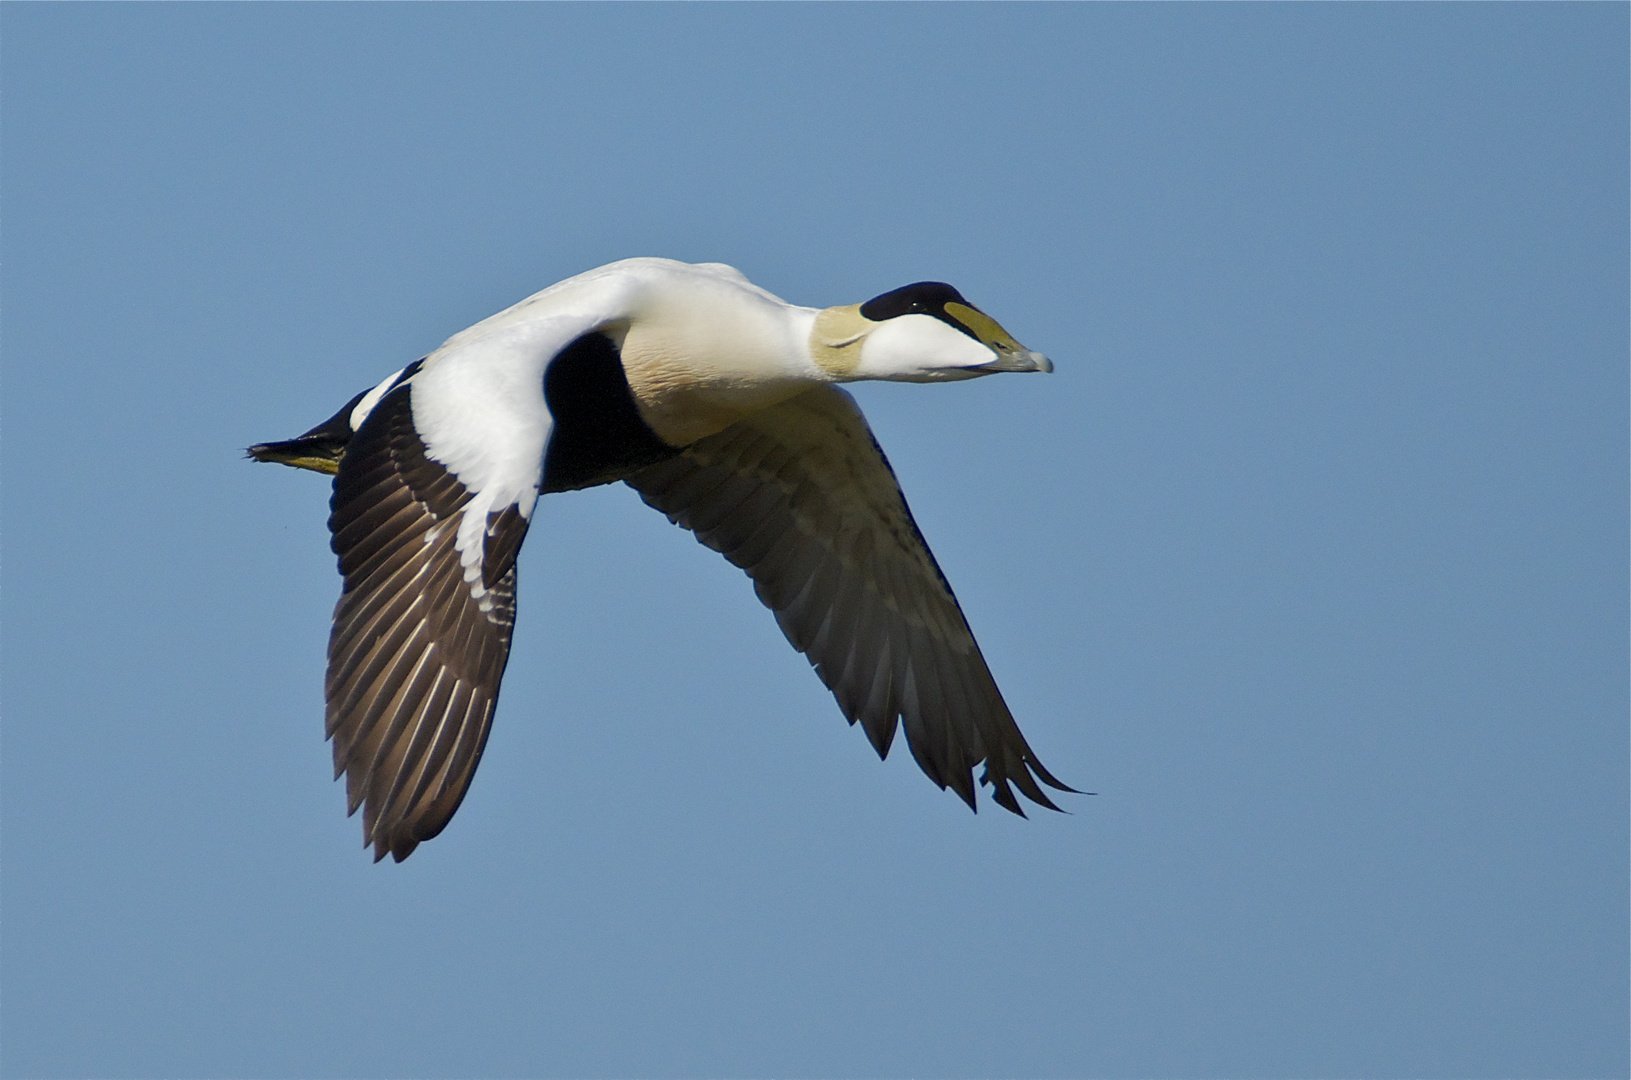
(1011, 355)
(1016, 360)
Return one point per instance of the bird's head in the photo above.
(925, 332)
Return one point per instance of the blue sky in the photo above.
(1309, 559)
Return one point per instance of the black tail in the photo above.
(319, 449)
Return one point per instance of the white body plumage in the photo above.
(712, 398)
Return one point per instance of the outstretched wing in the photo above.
(801, 497)
(421, 633)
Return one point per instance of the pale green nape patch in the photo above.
(835, 339)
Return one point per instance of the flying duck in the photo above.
(716, 401)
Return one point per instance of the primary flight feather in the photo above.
(717, 402)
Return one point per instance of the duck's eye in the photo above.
(923, 297)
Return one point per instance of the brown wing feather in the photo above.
(414, 659)
(801, 497)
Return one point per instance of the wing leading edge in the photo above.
(801, 497)
(416, 651)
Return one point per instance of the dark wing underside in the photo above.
(801, 497)
(415, 657)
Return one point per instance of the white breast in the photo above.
(704, 355)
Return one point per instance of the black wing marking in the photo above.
(416, 653)
(598, 434)
(801, 497)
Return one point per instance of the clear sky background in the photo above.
(1310, 559)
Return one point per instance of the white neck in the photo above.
(701, 356)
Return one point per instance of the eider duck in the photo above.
(716, 401)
